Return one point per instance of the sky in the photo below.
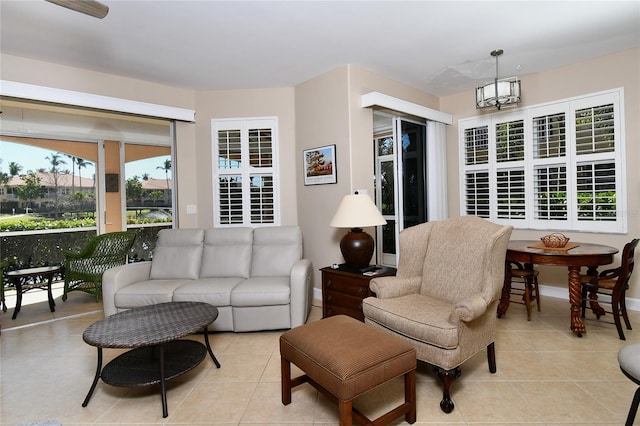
(33, 158)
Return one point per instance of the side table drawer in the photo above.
(337, 299)
(343, 292)
(355, 287)
(341, 310)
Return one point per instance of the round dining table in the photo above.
(574, 256)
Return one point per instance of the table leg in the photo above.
(163, 384)
(18, 285)
(95, 379)
(4, 305)
(506, 292)
(575, 296)
(52, 303)
(593, 297)
(206, 340)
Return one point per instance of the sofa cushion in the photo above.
(178, 254)
(226, 252)
(145, 293)
(261, 291)
(275, 250)
(215, 291)
(416, 316)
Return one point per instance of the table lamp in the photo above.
(356, 212)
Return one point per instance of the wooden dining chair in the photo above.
(524, 285)
(614, 284)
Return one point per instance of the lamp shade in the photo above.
(356, 212)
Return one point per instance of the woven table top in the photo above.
(150, 325)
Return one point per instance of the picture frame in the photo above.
(319, 165)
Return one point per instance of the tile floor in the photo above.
(546, 376)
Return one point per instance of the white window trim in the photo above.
(615, 96)
(245, 123)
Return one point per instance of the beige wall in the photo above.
(218, 104)
(609, 72)
(328, 111)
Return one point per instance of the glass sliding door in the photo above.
(411, 154)
(400, 156)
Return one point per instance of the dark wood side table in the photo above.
(343, 291)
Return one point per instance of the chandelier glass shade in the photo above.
(499, 92)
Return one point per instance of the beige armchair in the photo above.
(444, 297)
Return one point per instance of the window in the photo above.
(245, 172)
(553, 166)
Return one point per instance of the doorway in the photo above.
(400, 178)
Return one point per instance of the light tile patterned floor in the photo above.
(545, 375)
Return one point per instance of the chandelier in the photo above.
(499, 92)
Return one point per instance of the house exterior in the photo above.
(156, 192)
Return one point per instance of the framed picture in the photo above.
(320, 165)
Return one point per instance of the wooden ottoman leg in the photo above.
(285, 373)
(410, 395)
(345, 411)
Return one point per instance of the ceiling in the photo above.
(442, 47)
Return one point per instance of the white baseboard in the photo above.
(545, 290)
(563, 293)
(317, 297)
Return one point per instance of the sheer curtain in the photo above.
(436, 170)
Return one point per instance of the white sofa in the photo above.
(256, 278)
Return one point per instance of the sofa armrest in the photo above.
(389, 287)
(469, 309)
(301, 291)
(116, 278)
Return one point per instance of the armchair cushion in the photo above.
(419, 317)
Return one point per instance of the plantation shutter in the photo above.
(245, 172)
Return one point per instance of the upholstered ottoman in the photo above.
(344, 358)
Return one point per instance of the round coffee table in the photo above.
(152, 332)
(19, 278)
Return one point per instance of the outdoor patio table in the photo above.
(19, 278)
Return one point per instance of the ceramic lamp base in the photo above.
(357, 248)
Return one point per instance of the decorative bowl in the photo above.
(555, 240)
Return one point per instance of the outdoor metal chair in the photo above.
(83, 271)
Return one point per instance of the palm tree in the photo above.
(81, 164)
(167, 168)
(56, 161)
(73, 172)
(4, 180)
(14, 169)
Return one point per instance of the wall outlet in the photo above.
(192, 209)
(361, 192)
